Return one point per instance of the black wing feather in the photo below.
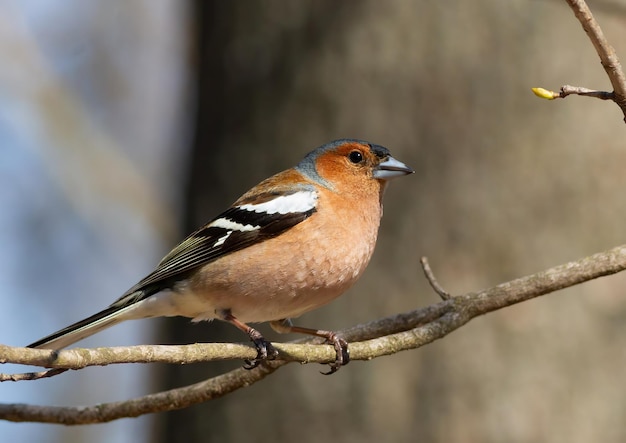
(200, 248)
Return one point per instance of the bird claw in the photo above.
(265, 351)
(342, 353)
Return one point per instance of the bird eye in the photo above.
(355, 157)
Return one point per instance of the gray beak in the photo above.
(391, 168)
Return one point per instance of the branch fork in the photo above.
(608, 58)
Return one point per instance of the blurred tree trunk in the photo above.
(235, 101)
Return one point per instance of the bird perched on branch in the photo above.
(293, 243)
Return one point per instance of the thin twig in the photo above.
(573, 90)
(445, 295)
(577, 90)
(32, 375)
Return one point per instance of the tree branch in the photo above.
(608, 58)
(380, 337)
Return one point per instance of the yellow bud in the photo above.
(544, 93)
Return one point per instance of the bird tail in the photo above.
(82, 329)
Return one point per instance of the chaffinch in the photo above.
(293, 243)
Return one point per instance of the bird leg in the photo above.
(342, 358)
(264, 349)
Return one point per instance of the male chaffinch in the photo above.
(291, 244)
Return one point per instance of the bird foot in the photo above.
(265, 350)
(342, 352)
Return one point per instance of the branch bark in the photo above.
(375, 339)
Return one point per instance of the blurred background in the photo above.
(125, 125)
